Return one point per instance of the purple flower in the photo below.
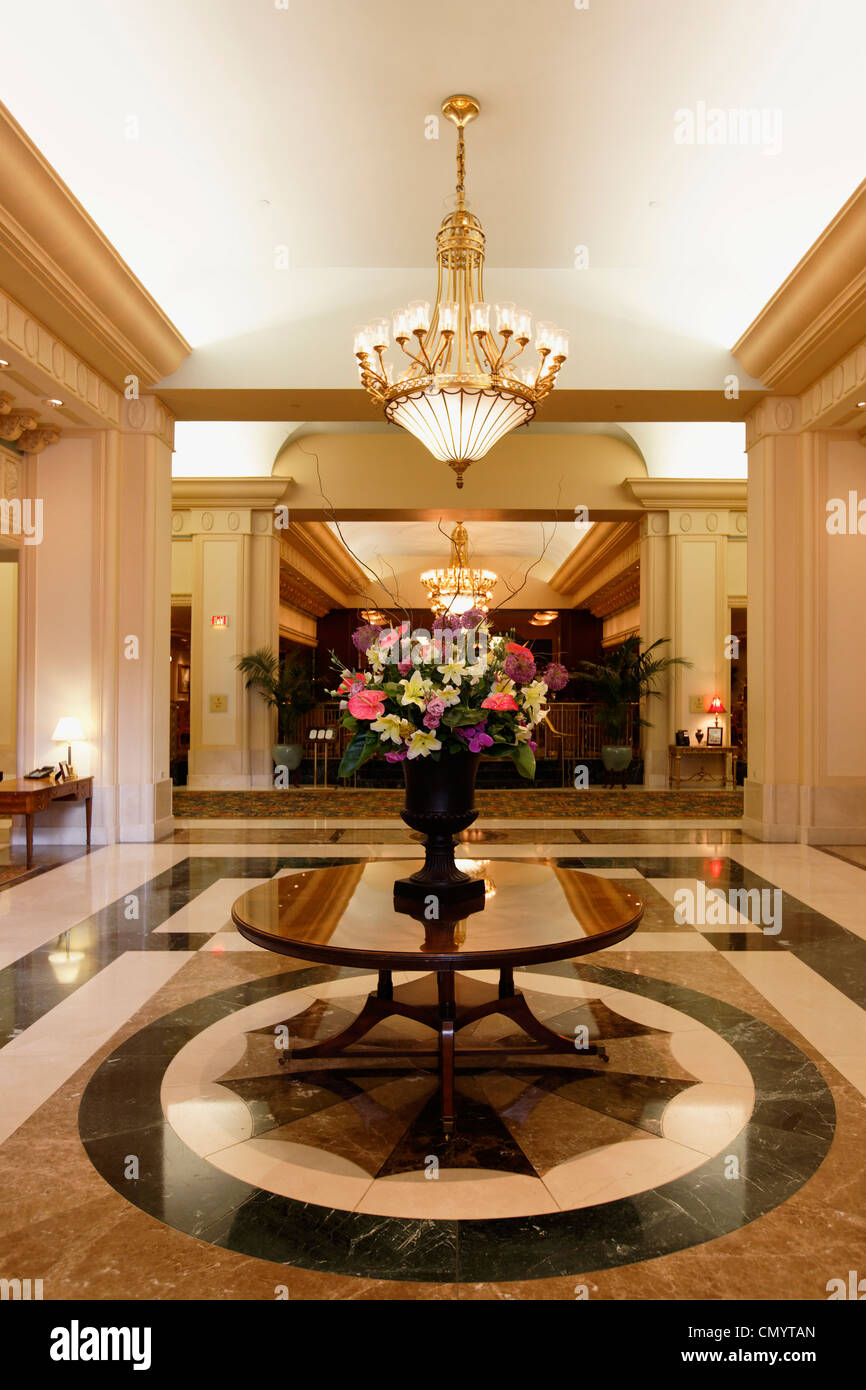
(364, 637)
(472, 617)
(475, 737)
(520, 669)
(450, 620)
(397, 756)
(556, 676)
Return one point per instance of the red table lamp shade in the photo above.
(716, 707)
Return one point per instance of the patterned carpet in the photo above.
(347, 802)
(9, 872)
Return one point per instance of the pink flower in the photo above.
(436, 707)
(518, 650)
(404, 667)
(498, 702)
(396, 757)
(368, 704)
(430, 720)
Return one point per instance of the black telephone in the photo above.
(39, 772)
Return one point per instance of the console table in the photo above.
(676, 753)
(27, 796)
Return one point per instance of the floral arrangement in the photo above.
(460, 689)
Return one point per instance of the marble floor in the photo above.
(156, 1143)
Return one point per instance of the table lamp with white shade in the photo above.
(68, 731)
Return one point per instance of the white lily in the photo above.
(415, 690)
(391, 726)
(423, 744)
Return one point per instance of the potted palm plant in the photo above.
(286, 686)
(628, 676)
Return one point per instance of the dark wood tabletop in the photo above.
(346, 915)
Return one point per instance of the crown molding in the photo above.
(605, 544)
(658, 494)
(818, 313)
(328, 553)
(256, 493)
(57, 263)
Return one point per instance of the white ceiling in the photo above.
(524, 554)
(260, 127)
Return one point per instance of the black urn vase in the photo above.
(440, 800)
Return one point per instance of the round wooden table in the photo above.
(348, 915)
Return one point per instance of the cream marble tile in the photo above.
(38, 1061)
(205, 1116)
(708, 1116)
(708, 1057)
(457, 1196)
(619, 1170)
(211, 909)
(825, 1016)
(715, 902)
(294, 1170)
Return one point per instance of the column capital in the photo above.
(773, 416)
(148, 415)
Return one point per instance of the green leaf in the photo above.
(524, 760)
(458, 717)
(359, 751)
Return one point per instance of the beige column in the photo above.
(692, 563)
(95, 622)
(807, 662)
(235, 579)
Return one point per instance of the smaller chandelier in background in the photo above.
(463, 388)
(459, 587)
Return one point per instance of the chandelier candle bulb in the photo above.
(449, 317)
(524, 326)
(506, 316)
(479, 317)
(419, 316)
(381, 335)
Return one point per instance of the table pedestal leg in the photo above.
(446, 1017)
(447, 1011)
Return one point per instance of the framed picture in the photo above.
(715, 736)
(183, 680)
(64, 773)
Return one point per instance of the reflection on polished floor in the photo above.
(715, 1154)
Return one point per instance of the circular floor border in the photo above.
(780, 1147)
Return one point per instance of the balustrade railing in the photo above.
(570, 733)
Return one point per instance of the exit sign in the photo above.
(219, 620)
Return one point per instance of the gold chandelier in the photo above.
(463, 389)
(459, 587)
